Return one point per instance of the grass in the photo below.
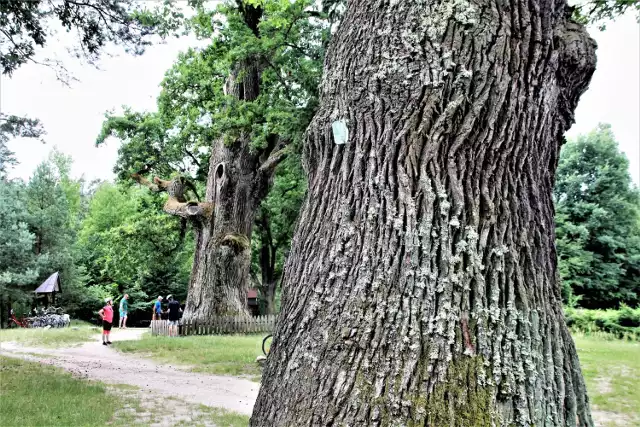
(54, 337)
(222, 354)
(612, 372)
(220, 417)
(611, 369)
(37, 395)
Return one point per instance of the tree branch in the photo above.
(273, 161)
(176, 204)
(188, 209)
(145, 182)
(190, 154)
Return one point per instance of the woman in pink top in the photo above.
(106, 313)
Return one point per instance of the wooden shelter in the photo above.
(252, 302)
(50, 287)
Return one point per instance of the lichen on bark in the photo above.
(460, 400)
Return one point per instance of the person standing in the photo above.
(174, 316)
(124, 309)
(157, 309)
(106, 313)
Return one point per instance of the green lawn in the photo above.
(218, 354)
(55, 337)
(612, 372)
(37, 395)
(611, 369)
(219, 416)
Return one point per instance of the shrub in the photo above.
(621, 324)
(629, 317)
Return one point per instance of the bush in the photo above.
(629, 317)
(622, 324)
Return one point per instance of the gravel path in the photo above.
(97, 362)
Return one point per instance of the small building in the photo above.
(49, 288)
(252, 302)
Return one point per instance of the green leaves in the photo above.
(597, 222)
(25, 25)
(38, 222)
(127, 240)
(194, 108)
(15, 127)
(17, 262)
(600, 11)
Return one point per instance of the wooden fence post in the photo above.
(219, 325)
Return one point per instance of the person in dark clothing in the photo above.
(174, 315)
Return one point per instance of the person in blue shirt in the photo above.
(124, 309)
(157, 309)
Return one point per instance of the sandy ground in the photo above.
(97, 362)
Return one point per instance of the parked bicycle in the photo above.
(52, 317)
(266, 344)
(21, 322)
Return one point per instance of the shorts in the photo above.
(173, 322)
(123, 314)
(106, 326)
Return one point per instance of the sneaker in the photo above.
(104, 343)
(108, 342)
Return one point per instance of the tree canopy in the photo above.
(15, 127)
(601, 11)
(28, 25)
(597, 217)
(195, 108)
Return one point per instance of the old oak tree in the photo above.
(421, 288)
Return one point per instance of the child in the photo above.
(106, 313)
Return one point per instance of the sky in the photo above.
(73, 115)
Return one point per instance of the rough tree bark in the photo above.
(421, 288)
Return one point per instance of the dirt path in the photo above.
(97, 362)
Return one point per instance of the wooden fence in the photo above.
(219, 325)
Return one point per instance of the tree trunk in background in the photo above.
(421, 288)
(271, 297)
(239, 178)
(220, 275)
(268, 252)
(221, 266)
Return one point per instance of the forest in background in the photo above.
(108, 238)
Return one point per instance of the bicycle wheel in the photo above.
(266, 344)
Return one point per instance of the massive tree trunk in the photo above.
(422, 287)
(220, 275)
(239, 178)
